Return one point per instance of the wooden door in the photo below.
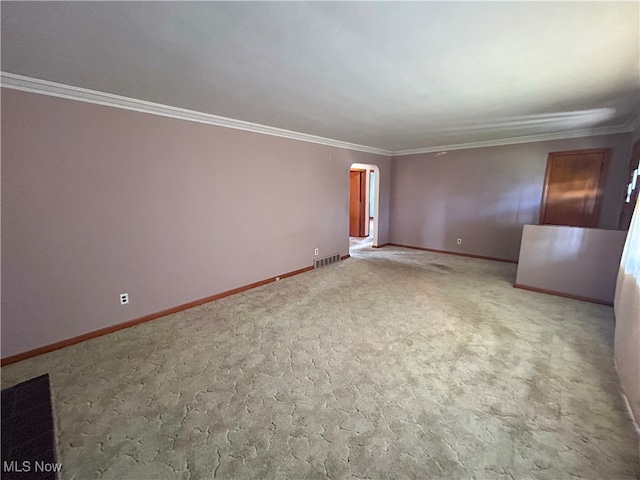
(357, 202)
(574, 183)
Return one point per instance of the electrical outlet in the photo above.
(124, 298)
(459, 241)
(316, 251)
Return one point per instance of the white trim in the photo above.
(45, 87)
(517, 140)
(34, 85)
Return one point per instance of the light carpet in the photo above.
(394, 363)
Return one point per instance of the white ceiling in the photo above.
(394, 76)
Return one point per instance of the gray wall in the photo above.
(486, 195)
(97, 201)
(581, 262)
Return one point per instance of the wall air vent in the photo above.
(321, 262)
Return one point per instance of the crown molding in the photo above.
(633, 124)
(45, 87)
(543, 137)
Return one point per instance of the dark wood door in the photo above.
(573, 187)
(357, 192)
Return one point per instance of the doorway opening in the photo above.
(364, 206)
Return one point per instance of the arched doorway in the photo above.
(369, 193)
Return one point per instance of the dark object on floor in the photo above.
(28, 449)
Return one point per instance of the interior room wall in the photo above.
(627, 308)
(627, 311)
(98, 201)
(578, 262)
(485, 196)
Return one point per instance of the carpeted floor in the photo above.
(394, 363)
